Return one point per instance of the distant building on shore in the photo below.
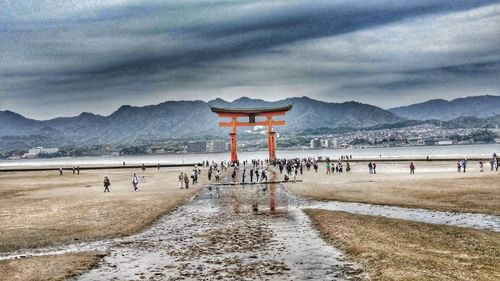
(445, 142)
(197, 146)
(325, 143)
(36, 151)
(315, 143)
(217, 146)
(429, 142)
(334, 143)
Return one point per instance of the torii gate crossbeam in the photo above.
(252, 113)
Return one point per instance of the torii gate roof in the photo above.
(252, 111)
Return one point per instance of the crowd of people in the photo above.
(257, 170)
(495, 162)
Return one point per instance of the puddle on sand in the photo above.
(468, 220)
(229, 233)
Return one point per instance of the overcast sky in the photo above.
(63, 57)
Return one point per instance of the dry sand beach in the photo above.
(42, 208)
(392, 249)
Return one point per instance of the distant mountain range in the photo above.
(194, 119)
(439, 109)
(178, 119)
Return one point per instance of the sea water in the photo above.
(451, 152)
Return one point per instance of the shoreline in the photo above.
(385, 159)
(95, 167)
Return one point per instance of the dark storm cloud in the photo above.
(130, 50)
(483, 68)
(444, 74)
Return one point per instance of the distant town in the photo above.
(419, 135)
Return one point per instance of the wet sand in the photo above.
(393, 249)
(59, 267)
(436, 186)
(42, 208)
(217, 234)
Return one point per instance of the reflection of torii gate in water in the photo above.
(252, 113)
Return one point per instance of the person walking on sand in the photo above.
(181, 181)
(143, 168)
(481, 165)
(374, 167)
(193, 176)
(257, 175)
(464, 164)
(459, 167)
(106, 184)
(60, 171)
(217, 175)
(78, 170)
(135, 182)
(328, 167)
(186, 180)
(158, 166)
(370, 168)
(234, 175)
(412, 168)
(74, 170)
(243, 175)
(263, 176)
(492, 164)
(251, 175)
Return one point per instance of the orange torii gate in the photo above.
(252, 113)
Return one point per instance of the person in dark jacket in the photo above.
(186, 181)
(106, 184)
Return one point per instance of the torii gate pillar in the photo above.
(271, 139)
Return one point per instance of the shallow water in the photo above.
(219, 235)
(469, 220)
